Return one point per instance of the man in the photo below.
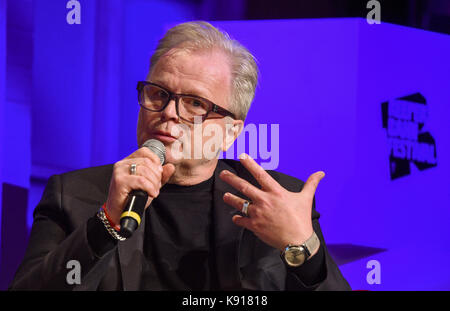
(209, 224)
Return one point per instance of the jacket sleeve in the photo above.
(318, 273)
(52, 245)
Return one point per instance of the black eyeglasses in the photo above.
(154, 97)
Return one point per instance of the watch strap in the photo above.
(312, 244)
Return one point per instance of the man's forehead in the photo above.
(194, 62)
(192, 71)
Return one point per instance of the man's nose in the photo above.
(170, 112)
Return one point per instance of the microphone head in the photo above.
(157, 148)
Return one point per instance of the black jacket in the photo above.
(60, 234)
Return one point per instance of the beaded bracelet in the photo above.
(116, 227)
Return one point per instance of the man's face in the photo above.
(205, 73)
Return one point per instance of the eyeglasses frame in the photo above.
(176, 96)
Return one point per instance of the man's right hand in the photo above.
(150, 177)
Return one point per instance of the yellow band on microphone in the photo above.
(133, 215)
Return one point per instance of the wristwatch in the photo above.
(296, 255)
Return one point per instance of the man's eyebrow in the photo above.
(189, 91)
(195, 92)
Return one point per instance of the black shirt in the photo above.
(178, 235)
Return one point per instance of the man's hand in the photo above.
(277, 216)
(150, 177)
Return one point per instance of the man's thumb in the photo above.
(167, 172)
(312, 182)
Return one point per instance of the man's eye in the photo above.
(161, 94)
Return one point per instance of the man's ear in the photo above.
(232, 131)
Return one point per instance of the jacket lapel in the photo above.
(227, 235)
(131, 258)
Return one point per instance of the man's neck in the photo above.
(187, 174)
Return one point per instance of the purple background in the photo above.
(68, 101)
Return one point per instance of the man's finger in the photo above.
(244, 222)
(311, 184)
(144, 152)
(234, 200)
(262, 177)
(241, 185)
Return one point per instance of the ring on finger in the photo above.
(245, 206)
(133, 169)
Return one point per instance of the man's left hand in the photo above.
(276, 216)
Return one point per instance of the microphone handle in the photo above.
(132, 213)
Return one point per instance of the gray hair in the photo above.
(203, 35)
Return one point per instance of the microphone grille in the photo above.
(157, 148)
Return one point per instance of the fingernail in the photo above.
(243, 156)
(160, 168)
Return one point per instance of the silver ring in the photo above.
(133, 168)
(245, 206)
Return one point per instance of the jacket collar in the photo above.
(227, 238)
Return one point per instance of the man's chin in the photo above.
(183, 160)
(174, 157)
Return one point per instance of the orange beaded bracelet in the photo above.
(116, 227)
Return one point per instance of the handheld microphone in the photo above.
(135, 204)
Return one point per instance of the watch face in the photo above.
(295, 255)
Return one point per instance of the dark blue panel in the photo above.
(14, 236)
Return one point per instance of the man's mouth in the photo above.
(164, 137)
